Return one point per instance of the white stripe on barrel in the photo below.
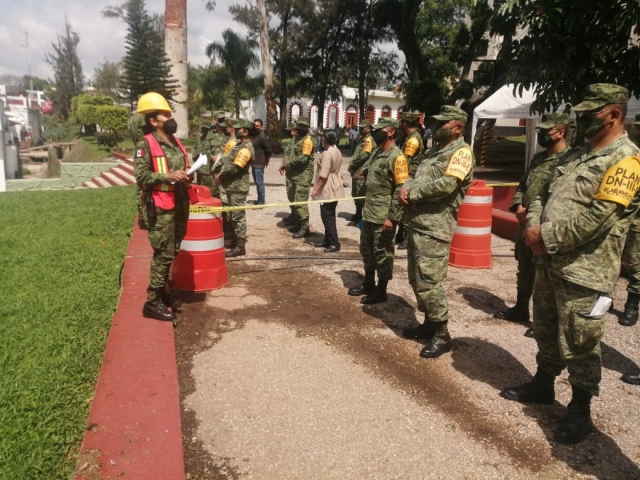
(202, 245)
(478, 199)
(473, 230)
(203, 216)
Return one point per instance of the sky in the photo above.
(100, 38)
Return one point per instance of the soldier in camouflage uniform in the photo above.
(413, 149)
(163, 179)
(362, 153)
(552, 133)
(387, 170)
(576, 229)
(137, 130)
(289, 153)
(298, 166)
(213, 146)
(233, 176)
(227, 126)
(432, 200)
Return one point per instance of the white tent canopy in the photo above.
(504, 104)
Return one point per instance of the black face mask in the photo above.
(379, 136)
(170, 127)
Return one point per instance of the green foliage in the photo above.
(145, 65)
(107, 79)
(237, 55)
(67, 70)
(60, 269)
(569, 45)
(57, 130)
(113, 120)
(83, 108)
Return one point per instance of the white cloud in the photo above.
(100, 38)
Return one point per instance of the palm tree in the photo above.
(238, 56)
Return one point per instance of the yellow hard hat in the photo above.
(152, 102)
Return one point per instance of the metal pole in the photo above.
(26, 36)
(175, 35)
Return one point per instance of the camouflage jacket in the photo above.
(585, 211)
(362, 153)
(143, 165)
(213, 143)
(299, 160)
(136, 127)
(234, 169)
(535, 178)
(229, 143)
(439, 186)
(387, 171)
(413, 149)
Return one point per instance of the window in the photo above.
(386, 111)
(370, 113)
(351, 117)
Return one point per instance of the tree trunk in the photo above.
(273, 132)
(284, 91)
(175, 40)
(236, 97)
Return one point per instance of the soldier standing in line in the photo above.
(233, 176)
(160, 164)
(227, 127)
(552, 134)
(298, 166)
(362, 153)
(413, 149)
(387, 170)
(289, 152)
(432, 200)
(576, 227)
(137, 130)
(211, 146)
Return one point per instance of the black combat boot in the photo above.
(157, 310)
(439, 343)
(577, 424)
(227, 227)
(518, 313)
(304, 230)
(366, 287)
(422, 332)
(170, 298)
(538, 390)
(289, 221)
(529, 333)
(378, 295)
(631, 378)
(230, 243)
(630, 315)
(358, 215)
(238, 250)
(295, 226)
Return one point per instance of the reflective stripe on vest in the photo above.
(162, 194)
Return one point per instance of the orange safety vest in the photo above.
(162, 194)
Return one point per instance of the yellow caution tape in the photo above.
(211, 209)
(512, 184)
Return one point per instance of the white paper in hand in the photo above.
(200, 162)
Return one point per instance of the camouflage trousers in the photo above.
(377, 250)
(165, 236)
(290, 192)
(566, 335)
(631, 256)
(298, 191)
(428, 263)
(357, 190)
(526, 268)
(238, 217)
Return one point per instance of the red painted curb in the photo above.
(136, 407)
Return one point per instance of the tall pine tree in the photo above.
(146, 66)
(67, 70)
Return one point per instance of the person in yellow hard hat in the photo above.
(160, 164)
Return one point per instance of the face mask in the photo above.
(591, 126)
(545, 140)
(379, 136)
(170, 126)
(239, 134)
(442, 135)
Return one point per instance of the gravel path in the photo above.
(285, 376)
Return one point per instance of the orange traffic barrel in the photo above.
(200, 265)
(471, 243)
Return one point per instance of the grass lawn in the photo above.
(60, 260)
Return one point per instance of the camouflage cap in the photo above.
(410, 116)
(449, 112)
(550, 120)
(637, 120)
(219, 114)
(386, 122)
(242, 123)
(600, 94)
(227, 122)
(364, 123)
(304, 121)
